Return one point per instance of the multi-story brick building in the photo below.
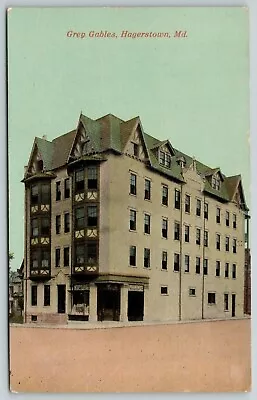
(122, 226)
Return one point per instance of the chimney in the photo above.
(44, 137)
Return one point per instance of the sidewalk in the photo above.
(113, 324)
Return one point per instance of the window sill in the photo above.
(164, 294)
(132, 194)
(226, 311)
(149, 200)
(164, 269)
(133, 230)
(132, 266)
(166, 238)
(147, 234)
(211, 304)
(175, 271)
(186, 272)
(148, 268)
(217, 276)
(165, 205)
(192, 295)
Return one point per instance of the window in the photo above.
(34, 259)
(147, 189)
(177, 199)
(206, 210)
(34, 194)
(234, 245)
(147, 258)
(234, 221)
(132, 255)
(34, 295)
(164, 289)
(58, 224)
(45, 193)
(217, 268)
(66, 256)
(227, 218)
(191, 291)
(58, 191)
(79, 218)
(86, 147)
(218, 215)
(225, 301)
(133, 184)
(57, 257)
(164, 260)
(67, 188)
(227, 243)
(135, 149)
(66, 222)
(198, 207)
(79, 254)
(33, 318)
(197, 265)
(211, 298)
(198, 236)
(226, 270)
(164, 159)
(133, 220)
(217, 241)
(45, 226)
(205, 266)
(176, 231)
(165, 195)
(92, 216)
(147, 224)
(34, 227)
(46, 295)
(234, 271)
(164, 228)
(45, 259)
(92, 252)
(176, 262)
(206, 238)
(187, 203)
(79, 181)
(187, 233)
(92, 177)
(216, 182)
(187, 261)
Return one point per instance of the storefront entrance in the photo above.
(108, 302)
(135, 305)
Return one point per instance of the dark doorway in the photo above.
(108, 302)
(135, 306)
(61, 298)
(233, 305)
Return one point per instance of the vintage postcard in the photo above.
(129, 186)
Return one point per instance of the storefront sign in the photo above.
(136, 288)
(81, 287)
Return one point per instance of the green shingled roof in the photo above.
(112, 133)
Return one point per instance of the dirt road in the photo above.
(206, 356)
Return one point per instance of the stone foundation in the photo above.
(46, 318)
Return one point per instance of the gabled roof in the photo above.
(112, 133)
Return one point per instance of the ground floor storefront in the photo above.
(102, 299)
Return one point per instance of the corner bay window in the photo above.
(86, 253)
(79, 180)
(92, 217)
(92, 177)
(40, 193)
(40, 226)
(40, 258)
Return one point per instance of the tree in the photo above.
(10, 258)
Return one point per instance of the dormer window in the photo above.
(135, 149)
(39, 166)
(181, 162)
(164, 159)
(216, 182)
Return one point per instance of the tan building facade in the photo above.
(121, 226)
